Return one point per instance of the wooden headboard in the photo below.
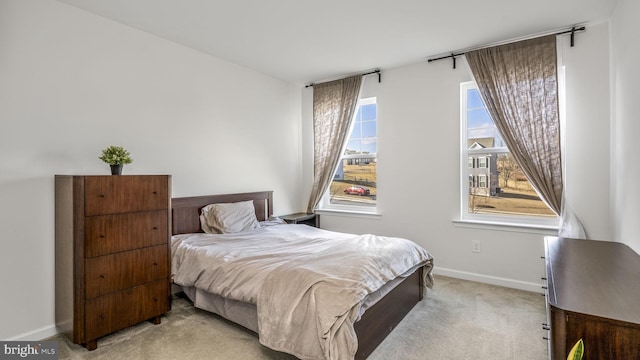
(185, 211)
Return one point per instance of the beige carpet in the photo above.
(458, 320)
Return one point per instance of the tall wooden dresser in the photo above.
(112, 253)
(593, 294)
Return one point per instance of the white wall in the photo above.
(418, 165)
(626, 123)
(73, 83)
(588, 124)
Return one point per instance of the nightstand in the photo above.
(302, 218)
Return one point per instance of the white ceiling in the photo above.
(303, 41)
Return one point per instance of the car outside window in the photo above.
(354, 184)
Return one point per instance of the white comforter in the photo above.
(308, 284)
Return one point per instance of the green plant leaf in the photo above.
(577, 351)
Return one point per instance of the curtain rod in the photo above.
(453, 55)
(376, 71)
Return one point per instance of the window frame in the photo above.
(325, 202)
(482, 181)
(541, 222)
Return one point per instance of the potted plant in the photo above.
(116, 157)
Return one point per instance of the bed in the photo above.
(369, 322)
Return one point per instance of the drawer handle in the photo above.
(545, 338)
(102, 316)
(102, 236)
(102, 276)
(155, 228)
(155, 263)
(101, 195)
(544, 278)
(155, 299)
(544, 287)
(546, 328)
(155, 193)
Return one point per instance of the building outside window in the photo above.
(493, 187)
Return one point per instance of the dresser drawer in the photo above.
(122, 309)
(120, 194)
(150, 265)
(110, 273)
(108, 234)
(151, 300)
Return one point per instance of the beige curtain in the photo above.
(334, 105)
(518, 83)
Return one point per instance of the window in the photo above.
(493, 187)
(482, 181)
(354, 185)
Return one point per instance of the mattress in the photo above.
(246, 314)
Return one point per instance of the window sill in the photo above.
(350, 213)
(506, 226)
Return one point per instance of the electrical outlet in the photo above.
(475, 246)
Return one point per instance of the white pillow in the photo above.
(228, 218)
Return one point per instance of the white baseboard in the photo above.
(493, 280)
(35, 335)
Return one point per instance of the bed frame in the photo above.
(376, 323)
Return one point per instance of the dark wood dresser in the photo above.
(593, 294)
(112, 253)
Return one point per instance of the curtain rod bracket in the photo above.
(454, 60)
(573, 34)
